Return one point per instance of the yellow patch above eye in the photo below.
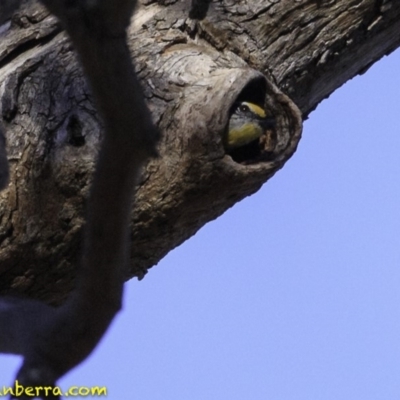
(255, 109)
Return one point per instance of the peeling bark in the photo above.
(287, 54)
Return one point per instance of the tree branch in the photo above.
(53, 341)
(191, 72)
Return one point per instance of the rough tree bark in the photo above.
(53, 340)
(288, 54)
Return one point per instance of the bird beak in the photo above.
(268, 123)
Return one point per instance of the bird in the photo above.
(247, 123)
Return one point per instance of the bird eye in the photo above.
(244, 108)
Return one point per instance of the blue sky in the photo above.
(294, 293)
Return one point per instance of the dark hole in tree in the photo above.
(74, 130)
(260, 149)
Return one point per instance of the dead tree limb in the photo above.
(54, 340)
(191, 73)
(287, 55)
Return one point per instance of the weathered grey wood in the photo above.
(191, 72)
(53, 340)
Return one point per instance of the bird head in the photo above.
(247, 123)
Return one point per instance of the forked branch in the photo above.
(53, 341)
